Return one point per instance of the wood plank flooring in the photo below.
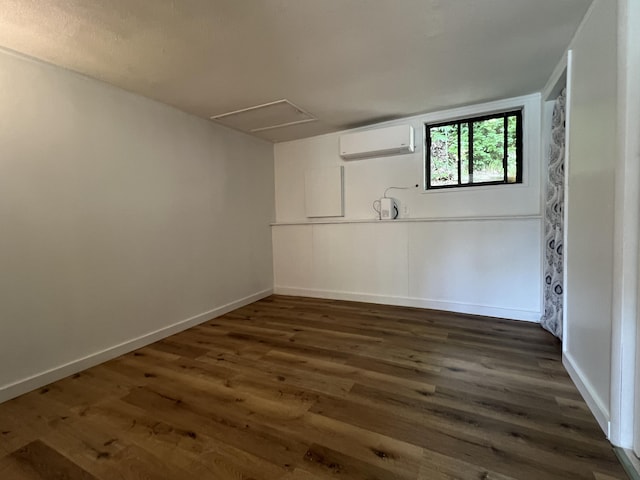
(293, 388)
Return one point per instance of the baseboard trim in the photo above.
(38, 380)
(594, 402)
(484, 310)
(629, 461)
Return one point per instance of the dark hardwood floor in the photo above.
(302, 389)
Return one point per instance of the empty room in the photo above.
(319, 239)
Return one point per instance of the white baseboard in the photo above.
(458, 307)
(38, 380)
(594, 402)
(629, 461)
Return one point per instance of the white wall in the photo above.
(590, 214)
(475, 250)
(120, 217)
(366, 180)
(627, 228)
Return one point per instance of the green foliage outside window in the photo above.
(487, 162)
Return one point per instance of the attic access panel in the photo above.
(276, 114)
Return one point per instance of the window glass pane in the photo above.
(480, 155)
(464, 153)
(512, 159)
(444, 155)
(488, 150)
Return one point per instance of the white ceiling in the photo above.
(346, 62)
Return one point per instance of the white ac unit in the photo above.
(380, 142)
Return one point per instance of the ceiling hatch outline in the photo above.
(267, 116)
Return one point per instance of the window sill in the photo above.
(478, 188)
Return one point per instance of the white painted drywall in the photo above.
(463, 266)
(119, 217)
(365, 180)
(445, 253)
(627, 213)
(590, 215)
(627, 227)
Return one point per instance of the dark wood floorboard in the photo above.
(292, 388)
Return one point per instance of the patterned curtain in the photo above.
(553, 223)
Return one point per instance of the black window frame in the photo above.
(518, 114)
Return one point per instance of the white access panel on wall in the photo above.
(323, 192)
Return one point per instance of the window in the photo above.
(474, 151)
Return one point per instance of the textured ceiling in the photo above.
(346, 62)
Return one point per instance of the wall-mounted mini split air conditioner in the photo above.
(395, 140)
